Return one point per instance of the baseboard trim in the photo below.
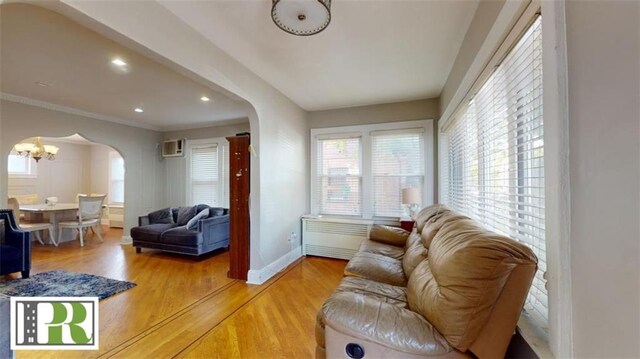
(259, 276)
(126, 241)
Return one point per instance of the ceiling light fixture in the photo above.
(118, 62)
(138, 110)
(36, 150)
(205, 98)
(301, 17)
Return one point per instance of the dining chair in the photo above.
(35, 228)
(89, 216)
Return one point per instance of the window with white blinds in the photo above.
(495, 157)
(204, 175)
(339, 177)
(397, 163)
(116, 178)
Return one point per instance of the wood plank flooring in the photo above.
(187, 307)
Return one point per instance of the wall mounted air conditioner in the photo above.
(173, 148)
(333, 237)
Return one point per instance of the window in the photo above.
(398, 162)
(360, 171)
(339, 176)
(19, 166)
(207, 171)
(495, 156)
(116, 178)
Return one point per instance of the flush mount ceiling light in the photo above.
(119, 62)
(205, 99)
(301, 17)
(138, 110)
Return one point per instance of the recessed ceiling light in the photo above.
(138, 109)
(118, 62)
(205, 98)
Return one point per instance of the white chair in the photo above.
(34, 228)
(89, 216)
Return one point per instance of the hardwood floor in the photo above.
(187, 307)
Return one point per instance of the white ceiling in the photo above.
(39, 45)
(372, 52)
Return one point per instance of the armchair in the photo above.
(15, 247)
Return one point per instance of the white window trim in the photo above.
(513, 19)
(222, 143)
(364, 132)
(33, 169)
(112, 155)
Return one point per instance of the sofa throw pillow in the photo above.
(216, 211)
(161, 216)
(388, 235)
(185, 214)
(193, 222)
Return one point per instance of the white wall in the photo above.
(603, 57)
(144, 186)
(278, 126)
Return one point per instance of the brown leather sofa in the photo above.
(448, 289)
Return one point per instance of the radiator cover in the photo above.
(333, 237)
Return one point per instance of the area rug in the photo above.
(59, 283)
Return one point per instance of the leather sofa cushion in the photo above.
(415, 254)
(151, 232)
(389, 235)
(182, 236)
(365, 317)
(426, 213)
(436, 222)
(384, 292)
(376, 267)
(387, 250)
(456, 288)
(185, 214)
(161, 216)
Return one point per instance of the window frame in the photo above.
(223, 165)
(31, 165)
(113, 155)
(364, 132)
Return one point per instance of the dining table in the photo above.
(54, 213)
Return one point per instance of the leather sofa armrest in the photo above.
(214, 228)
(143, 221)
(364, 320)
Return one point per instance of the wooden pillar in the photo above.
(239, 187)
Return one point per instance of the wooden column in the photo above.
(239, 206)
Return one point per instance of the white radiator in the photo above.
(333, 237)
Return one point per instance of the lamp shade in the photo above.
(301, 17)
(411, 196)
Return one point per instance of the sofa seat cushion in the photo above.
(387, 250)
(384, 292)
(182, 236)
(151, 232)
(376, 267)
(364, 317)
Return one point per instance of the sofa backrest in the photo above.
(426, 213)
(472, 279)
(213, 211)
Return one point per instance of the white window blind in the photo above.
(204, 174)
(339, 177)
(495, 150)
(397, 163)
(116, 174)
(20, 166)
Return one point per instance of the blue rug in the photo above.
(59, 283)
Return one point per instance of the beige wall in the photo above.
(603, 61)
(144, 186)
(209, 132)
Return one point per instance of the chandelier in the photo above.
(301, 17)
(36, 150)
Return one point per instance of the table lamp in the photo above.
(411, 198)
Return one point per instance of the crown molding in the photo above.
(74, 111)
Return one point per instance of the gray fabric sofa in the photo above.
(207, 234)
